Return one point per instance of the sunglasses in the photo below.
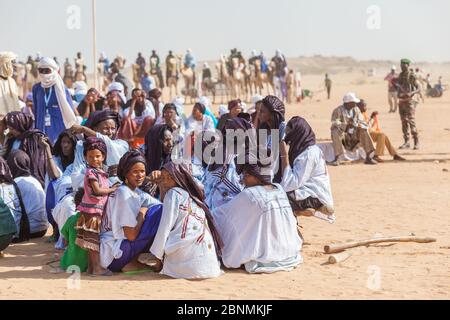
(44, 70)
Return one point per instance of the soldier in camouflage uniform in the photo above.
(407, 87)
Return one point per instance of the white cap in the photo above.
(223, 109)
(80, 87)
(351, 97)
(394, 68)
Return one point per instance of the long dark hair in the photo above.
(57, 148)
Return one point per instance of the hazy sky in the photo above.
(417, 29)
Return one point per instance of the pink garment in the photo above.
(91, 203)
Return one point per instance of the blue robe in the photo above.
(57, 123)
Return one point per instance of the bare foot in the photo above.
(135, 266)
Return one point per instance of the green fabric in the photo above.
(73, 255)
(405, 61)
(7, 224)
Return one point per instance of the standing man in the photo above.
(9, 93)
(140, 61)
(328, 84)
(52, 101)
(407, 88)
(281, 71)
(392, 90)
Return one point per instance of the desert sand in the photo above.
(390, 199)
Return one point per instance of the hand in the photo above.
(283, 149)
(77, 129)
(155, 176)
(374, 114)
(44, 143)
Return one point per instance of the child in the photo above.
(96, 186)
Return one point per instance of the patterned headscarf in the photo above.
(183, 177)
(94, 143)
(274, 104)
(19, 121)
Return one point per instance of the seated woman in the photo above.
(271, 117)
(137, 118)
(221, 180)
(23, 137)
(59, 168)
(171, 118)
(132, 218)
(12, 197)
(103, 125)
(198, 121)
(186, 241)
(32, 193)
(258, 227)
(305, 174)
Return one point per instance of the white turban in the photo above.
(179, 104)
(205, 101)
(54, 80)
(80, 87)
(117, 86)
(223, 109)
(9, 93)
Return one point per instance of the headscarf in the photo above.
(81, 90)
(275, 105)
(117, 86)
(178, 102)
(94, 143)
(19, 163)
(54, 79)
(231, 124)
(57, 149)
(97, 117)
(128, 160)
(154, 148)
(300, 137)
(183, 178)
(19, 121)
(155, 94)
(5, 173)
(169, 106)
(6, 66)
(10, 96)
(200, 107)
(30, 143)
(223, 109)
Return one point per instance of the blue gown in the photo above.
(56, 124)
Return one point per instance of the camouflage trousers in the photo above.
(408, 117)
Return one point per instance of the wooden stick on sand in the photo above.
(339, 257)
(333, 248)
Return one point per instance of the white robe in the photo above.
(195, 126)
(309, 177)
(33, 197)
(259, 230)
(121, 211)
(184, 241)
(8, 102)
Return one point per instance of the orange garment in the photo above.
(374, 125)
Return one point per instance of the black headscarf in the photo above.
(277, 108)
(300, 137)
(183, 177)
(154, 147)
(19, 121)
(5, 175)
(128, 160)
(169, 106)
(99, 116)
(19, 163)
(57, 149)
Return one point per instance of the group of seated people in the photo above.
(128, 180)
(351, 127)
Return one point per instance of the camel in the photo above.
(136, 70)
(30, 77)
(224, 81)
(172, 70)
(237, 78)
(120, 62)
(189, 89)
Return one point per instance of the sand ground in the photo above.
(391, 199)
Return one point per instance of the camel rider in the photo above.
(407, 88)
(234, 54)
(254, 58)
(140, 61)
(189, 62)
(264, 63)
(206, 73)
(155, 67)
(106, 63)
